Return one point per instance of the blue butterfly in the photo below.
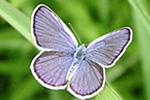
(61, 63)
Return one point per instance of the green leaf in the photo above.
(22, 23)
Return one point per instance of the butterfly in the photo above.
(63, 64)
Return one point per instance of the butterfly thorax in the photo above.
(79, 55)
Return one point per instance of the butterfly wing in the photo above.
(88, 80)
(107, 49)
(50, 32)
(50, 68)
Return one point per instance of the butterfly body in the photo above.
(79, 56)
(61, 63)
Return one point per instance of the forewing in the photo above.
(107, 49)
(50, 68)
(88, 80)
(50, 32)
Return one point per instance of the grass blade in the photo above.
(142, 12)
(108, 94)
(144, 40)
(16, 19)
(142, 18)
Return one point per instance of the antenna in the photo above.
(75, 33)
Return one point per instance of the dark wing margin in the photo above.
(50, 32)
(50, 68)
(107, 49)
(88, 81)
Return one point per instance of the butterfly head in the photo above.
(83, 48)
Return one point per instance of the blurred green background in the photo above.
(130, 77)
